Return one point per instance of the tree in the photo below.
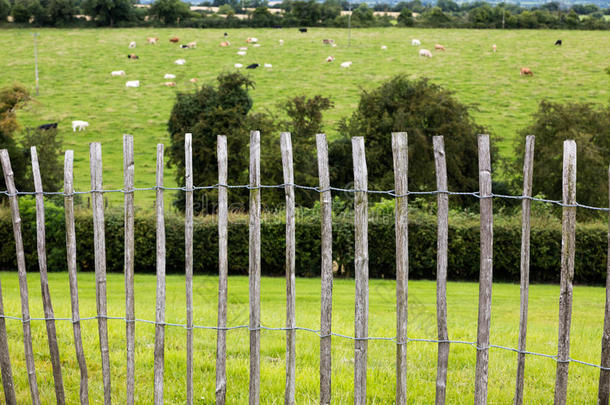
(13, 98)
(169, 11)
(423, 110)
(5, 10)
(405, 18)
(108, 12)
(61, 12)
(25, 10)
(589, 126)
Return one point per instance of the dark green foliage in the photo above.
(169, 11)
(5, 10)
(108, 12)
(423, 110)
(11, 99)
(405, 18)
(25, 10)
(61, 12)
(49, 150)
(589, 126)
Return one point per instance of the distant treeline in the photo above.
(291, 13)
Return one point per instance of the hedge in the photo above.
(463, 264)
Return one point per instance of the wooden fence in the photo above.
(400, 192)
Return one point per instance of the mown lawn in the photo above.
(75, 81)
(462, 300)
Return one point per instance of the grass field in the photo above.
(75, 81)
(462, 300)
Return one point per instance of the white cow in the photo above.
(132, 83)
(415, 42)
(256, 45)
(268, 65)
(242, 53)
(238, 65)
(346, 64)
(180, 61)
(81, 125)
(117, 73)
(132, 44)
(330, 59)
(425, 52)
(384, 48)
(281, 41)
(169, 76)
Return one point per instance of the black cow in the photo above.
(252, 66)
(45, 127)
(184, 46)
(132, 56)
(558, 42)
(303, 30)
(226, 35)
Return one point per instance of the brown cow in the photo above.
(174, 39)
(526, 72)
(224, 43)
(439, 47)
(151, 40)
(170, 84)
(328, 41)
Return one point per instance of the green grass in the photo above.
(462, 301)
(75, 80)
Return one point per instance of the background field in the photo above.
(587, 326)
(75, 79)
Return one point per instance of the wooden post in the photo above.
(603, 394)
(528, 171)
(71, 259)
(255, 267)
(23, 284)
(44, 281)
(568, 231)
(5, 360)
(401, 186)
(223, 208)
(361, 263)
(326, 270)
(95, 152)
(130, 325)
(486, 272)
(441, 268)
(188, 262)
(286, 147)
(160, 302)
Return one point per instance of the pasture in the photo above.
(462, 317)
(75, 80)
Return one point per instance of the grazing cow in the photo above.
(180, 61)
(225, 44)
(174, 40)
(81, 125)
(439, 47)
(494, 47)
(242, 53)
(526, 72)
(133, 56)
(226, 35)
(384, 48)
(132, 83)
(330, 59)
(268, 65)
(281, 41)
(192, 44)
(558, 42)
(252, 66)
(46, 127)
(302, 30)
(117, 73)
(151, 40)
(415, 42)
(132, 44)
(193, 80)
(182, 46)
(425, 52)
(169, 76)
(253, 40)
(328, 41)
(238, 66)
(346, 64)
(169, 84)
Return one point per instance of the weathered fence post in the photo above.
(603, 394)
(486, 272)
(223, 208)
(71, 261)
(160, 303)
(23, 283)
(5, 359)
(326, 270)
(130, 324)
(361, 263)
(442, 199)
(188, 262)
(528, 171)
(97, 202)
(286, 147)
(255, 267)
(49, 314)
(401, 186)
(568, 231)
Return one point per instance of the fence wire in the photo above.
(319, 334)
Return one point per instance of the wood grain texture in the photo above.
(400, 154)
(603, 392)
(188, 262)
(255, 267)
(47, 304)
(99, 241)
(568, 230)
(486, 272)
(287, 166)
(5, 359)
(223, 264)
(71, 259)
(528, 172)
(326, 270)
(159, 366)
(442, 248)
(361, 263)
(130, 325)
(23, 285)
